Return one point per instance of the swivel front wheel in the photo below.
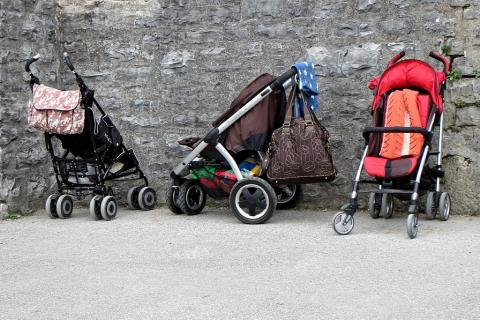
(147, 198)
(343, 223)
(108, 208)
(444, 206)
(412, 225)
(64, 206)
(94, 207)
(51, 206)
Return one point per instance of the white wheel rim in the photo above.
(67, 206)
(342, 225)
(291, 190)
(110, 208)
(148, 198)
(243, 212)
(446, 207)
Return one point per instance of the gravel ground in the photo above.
(155, 265)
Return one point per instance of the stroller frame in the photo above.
(344, 219)
(72, 185)
(212, 139)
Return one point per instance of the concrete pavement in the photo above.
(155, 265)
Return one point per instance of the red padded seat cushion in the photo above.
(389, 169)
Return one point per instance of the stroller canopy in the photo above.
(410, 74)
(253, 131)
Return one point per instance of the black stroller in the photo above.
(227, 162)
(83, 162)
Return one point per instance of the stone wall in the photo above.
(165, 69)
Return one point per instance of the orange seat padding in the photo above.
(402, 111)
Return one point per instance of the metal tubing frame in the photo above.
(224, 126)
(423, 160)
(439, 155)
(357, 176)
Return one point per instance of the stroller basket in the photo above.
(77, 171)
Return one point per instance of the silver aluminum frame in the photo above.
(178, 170)
(423, 160)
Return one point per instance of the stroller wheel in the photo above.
(444, 206)
(132, 198)
(343, 223)
(64, 206)
(172, 199)
(386, 209)
(430, 207)
(147, 198)
(95, 207)
(108, 208)
(191, 197)
(412, 225)
(374, 205)
(288, 195)
(50, 206)
(253, 200)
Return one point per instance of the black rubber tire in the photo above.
(444, 206)
(292, 200)
(108, 208)
(263, 196)
(132, 198)
(387, 207)
(94, 207)
(64, 206)
(147, 198)
(430, 206)
(191, 197)
(412, 225)
(171, 198)
(374, 205)
(51, 206)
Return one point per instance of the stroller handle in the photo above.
(30, 61)
(397, 57)
(437, 56)
(68, 62)
(278, 83)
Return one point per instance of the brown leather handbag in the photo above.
(299, 151)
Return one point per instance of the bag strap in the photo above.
(290, 106)
(308, 115)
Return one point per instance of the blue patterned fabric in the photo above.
(307, 85)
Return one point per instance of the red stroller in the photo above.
(407, 106)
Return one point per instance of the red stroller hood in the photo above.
(408, 74)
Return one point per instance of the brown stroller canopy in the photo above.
(254, 130)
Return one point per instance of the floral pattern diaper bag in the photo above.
(56, 111)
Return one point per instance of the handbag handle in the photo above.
(291, 98)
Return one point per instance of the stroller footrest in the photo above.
(398, 191)
(437, 173)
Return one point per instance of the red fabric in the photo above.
(409, 74)
(423, 102)
(373, 83)
(375, 166)
(385, 168)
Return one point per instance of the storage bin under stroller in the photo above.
(408, 104)
(86, 151)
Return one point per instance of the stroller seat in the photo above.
(395, 155)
